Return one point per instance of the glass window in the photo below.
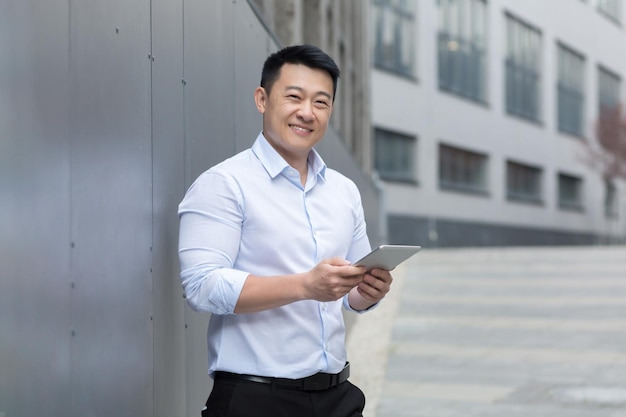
(523, 69)
(462, 170)
(570, 91)
(394, 25)
(610, 199)
(611, 9)
(462, 47)
(608, 89)
(523, 182)
(570, 192)
(394, 155)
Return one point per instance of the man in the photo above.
(267, 238)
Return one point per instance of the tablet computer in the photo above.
(387, 257)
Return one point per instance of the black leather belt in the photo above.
(318, 382)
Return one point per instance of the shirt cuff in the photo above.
(346, 305)
(215, 291)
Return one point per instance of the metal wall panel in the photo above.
(252, 45)
(34, 209)
(168, 187)
(111, 208)
(209, 120)
(100, 137)
(209, 80)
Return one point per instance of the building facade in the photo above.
(480, 114)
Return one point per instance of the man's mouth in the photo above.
(300, 129)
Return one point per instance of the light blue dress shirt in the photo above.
(251, 215)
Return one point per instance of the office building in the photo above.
(480, 113)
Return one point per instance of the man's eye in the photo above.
(322, 103)
(294, 97)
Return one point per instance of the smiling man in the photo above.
(266, 242)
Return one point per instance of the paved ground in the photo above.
(528, 332)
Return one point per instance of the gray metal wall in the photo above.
(108, 111)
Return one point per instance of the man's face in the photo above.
(297, 111)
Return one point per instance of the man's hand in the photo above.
(332, 278)
(329, 280)
(375, 285)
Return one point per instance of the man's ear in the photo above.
(260, 99)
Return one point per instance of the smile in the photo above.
(300, 129)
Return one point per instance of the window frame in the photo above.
(520, 99)
(408, 175)
(602, 88)
(526, 171)
(462, 46)
(568, 93)
(452, 174)
(567, 204)
(393, 11)
(611, 200)
(611, 9)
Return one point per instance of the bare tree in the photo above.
(607, 156)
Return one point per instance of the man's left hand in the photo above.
(375, 285)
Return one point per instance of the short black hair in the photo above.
(309, 55)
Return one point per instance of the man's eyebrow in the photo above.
(295, 87)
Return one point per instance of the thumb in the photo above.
(337, 261)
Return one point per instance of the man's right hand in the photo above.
(331, 279)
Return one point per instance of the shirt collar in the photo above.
(274, 164)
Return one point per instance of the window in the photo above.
(523, 182)
(523, 74)
(462, 170)
(608, 90)
(394, 155)
(611, 9)
(462, 47)
(394, 22)
(610, 199)
(570, 192)
(570, 91)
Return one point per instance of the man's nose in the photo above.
(306, 111)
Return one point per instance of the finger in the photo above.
(378, 281)
(346, 283)
(375, 287)
(336, 261)
(352, 271)
(368, 293)
(369, 288)
(378, 272)
(372, 281)
(382, 275)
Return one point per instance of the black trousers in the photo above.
(234, 398)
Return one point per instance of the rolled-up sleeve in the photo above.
(211, 216)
